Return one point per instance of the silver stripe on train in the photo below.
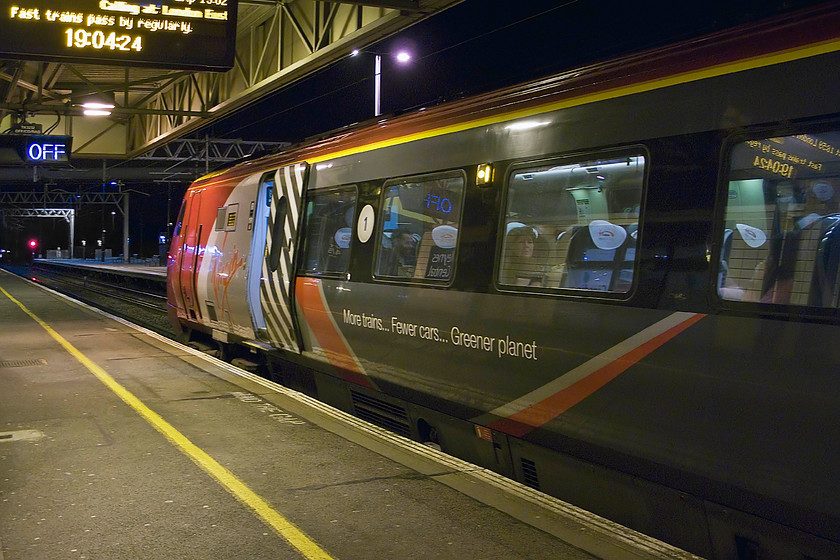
(277, 267)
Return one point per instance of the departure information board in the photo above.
(183, 34)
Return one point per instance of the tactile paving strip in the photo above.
(22, 363)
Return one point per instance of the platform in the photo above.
(118, 443)
(136, 269)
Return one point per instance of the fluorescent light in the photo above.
(97, 109)
(98, 105)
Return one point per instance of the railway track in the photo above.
(133, 298)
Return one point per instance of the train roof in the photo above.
(775, 40)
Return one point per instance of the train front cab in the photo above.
(182, 264)
(231, 258)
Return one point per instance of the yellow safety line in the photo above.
(297, 538)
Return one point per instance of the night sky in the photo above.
(481, 45)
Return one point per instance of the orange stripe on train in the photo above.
(311, 301)
(534, 416)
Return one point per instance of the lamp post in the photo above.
(377, 86)
(402, 57)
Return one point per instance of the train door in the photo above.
(280, 248)
(189, 256)
(260, 212)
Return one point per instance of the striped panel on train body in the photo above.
(279, 257)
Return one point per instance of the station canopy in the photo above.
(160, 75)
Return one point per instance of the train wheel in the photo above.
(428, 434)
(184, 336)
(226, 351)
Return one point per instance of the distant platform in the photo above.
(142, 267)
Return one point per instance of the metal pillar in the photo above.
(72, 234)
(126, 256)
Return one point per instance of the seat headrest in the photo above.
(754, 237)
(606, 235)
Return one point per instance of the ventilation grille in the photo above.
(529, 474)
(22, 363)
(386, 415)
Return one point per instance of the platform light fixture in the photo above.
(96, 104)
(97, 109)
(403, 57)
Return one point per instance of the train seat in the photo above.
(435, 256)
(596, 257)
(791, 265)
(423, 251)
(825, 289)
(626, 260)
(810, 231)
(556, 273)
(743, 262)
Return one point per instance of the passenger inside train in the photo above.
(582, 223)
(399, 253)
(523, 261)
(419, 231)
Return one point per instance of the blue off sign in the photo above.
(47, 149)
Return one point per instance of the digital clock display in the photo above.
(82, 39)
(184, 34)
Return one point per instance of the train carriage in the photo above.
(619, 285)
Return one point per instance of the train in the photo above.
(618, 285)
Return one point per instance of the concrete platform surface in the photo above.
(136, 268)
(118, 444)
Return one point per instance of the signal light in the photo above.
(33, 243)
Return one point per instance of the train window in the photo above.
(781, 238)
(329, 230)
(221, 213)
(420, 219)
(180, 220)
(573, 224)
(278, 234)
